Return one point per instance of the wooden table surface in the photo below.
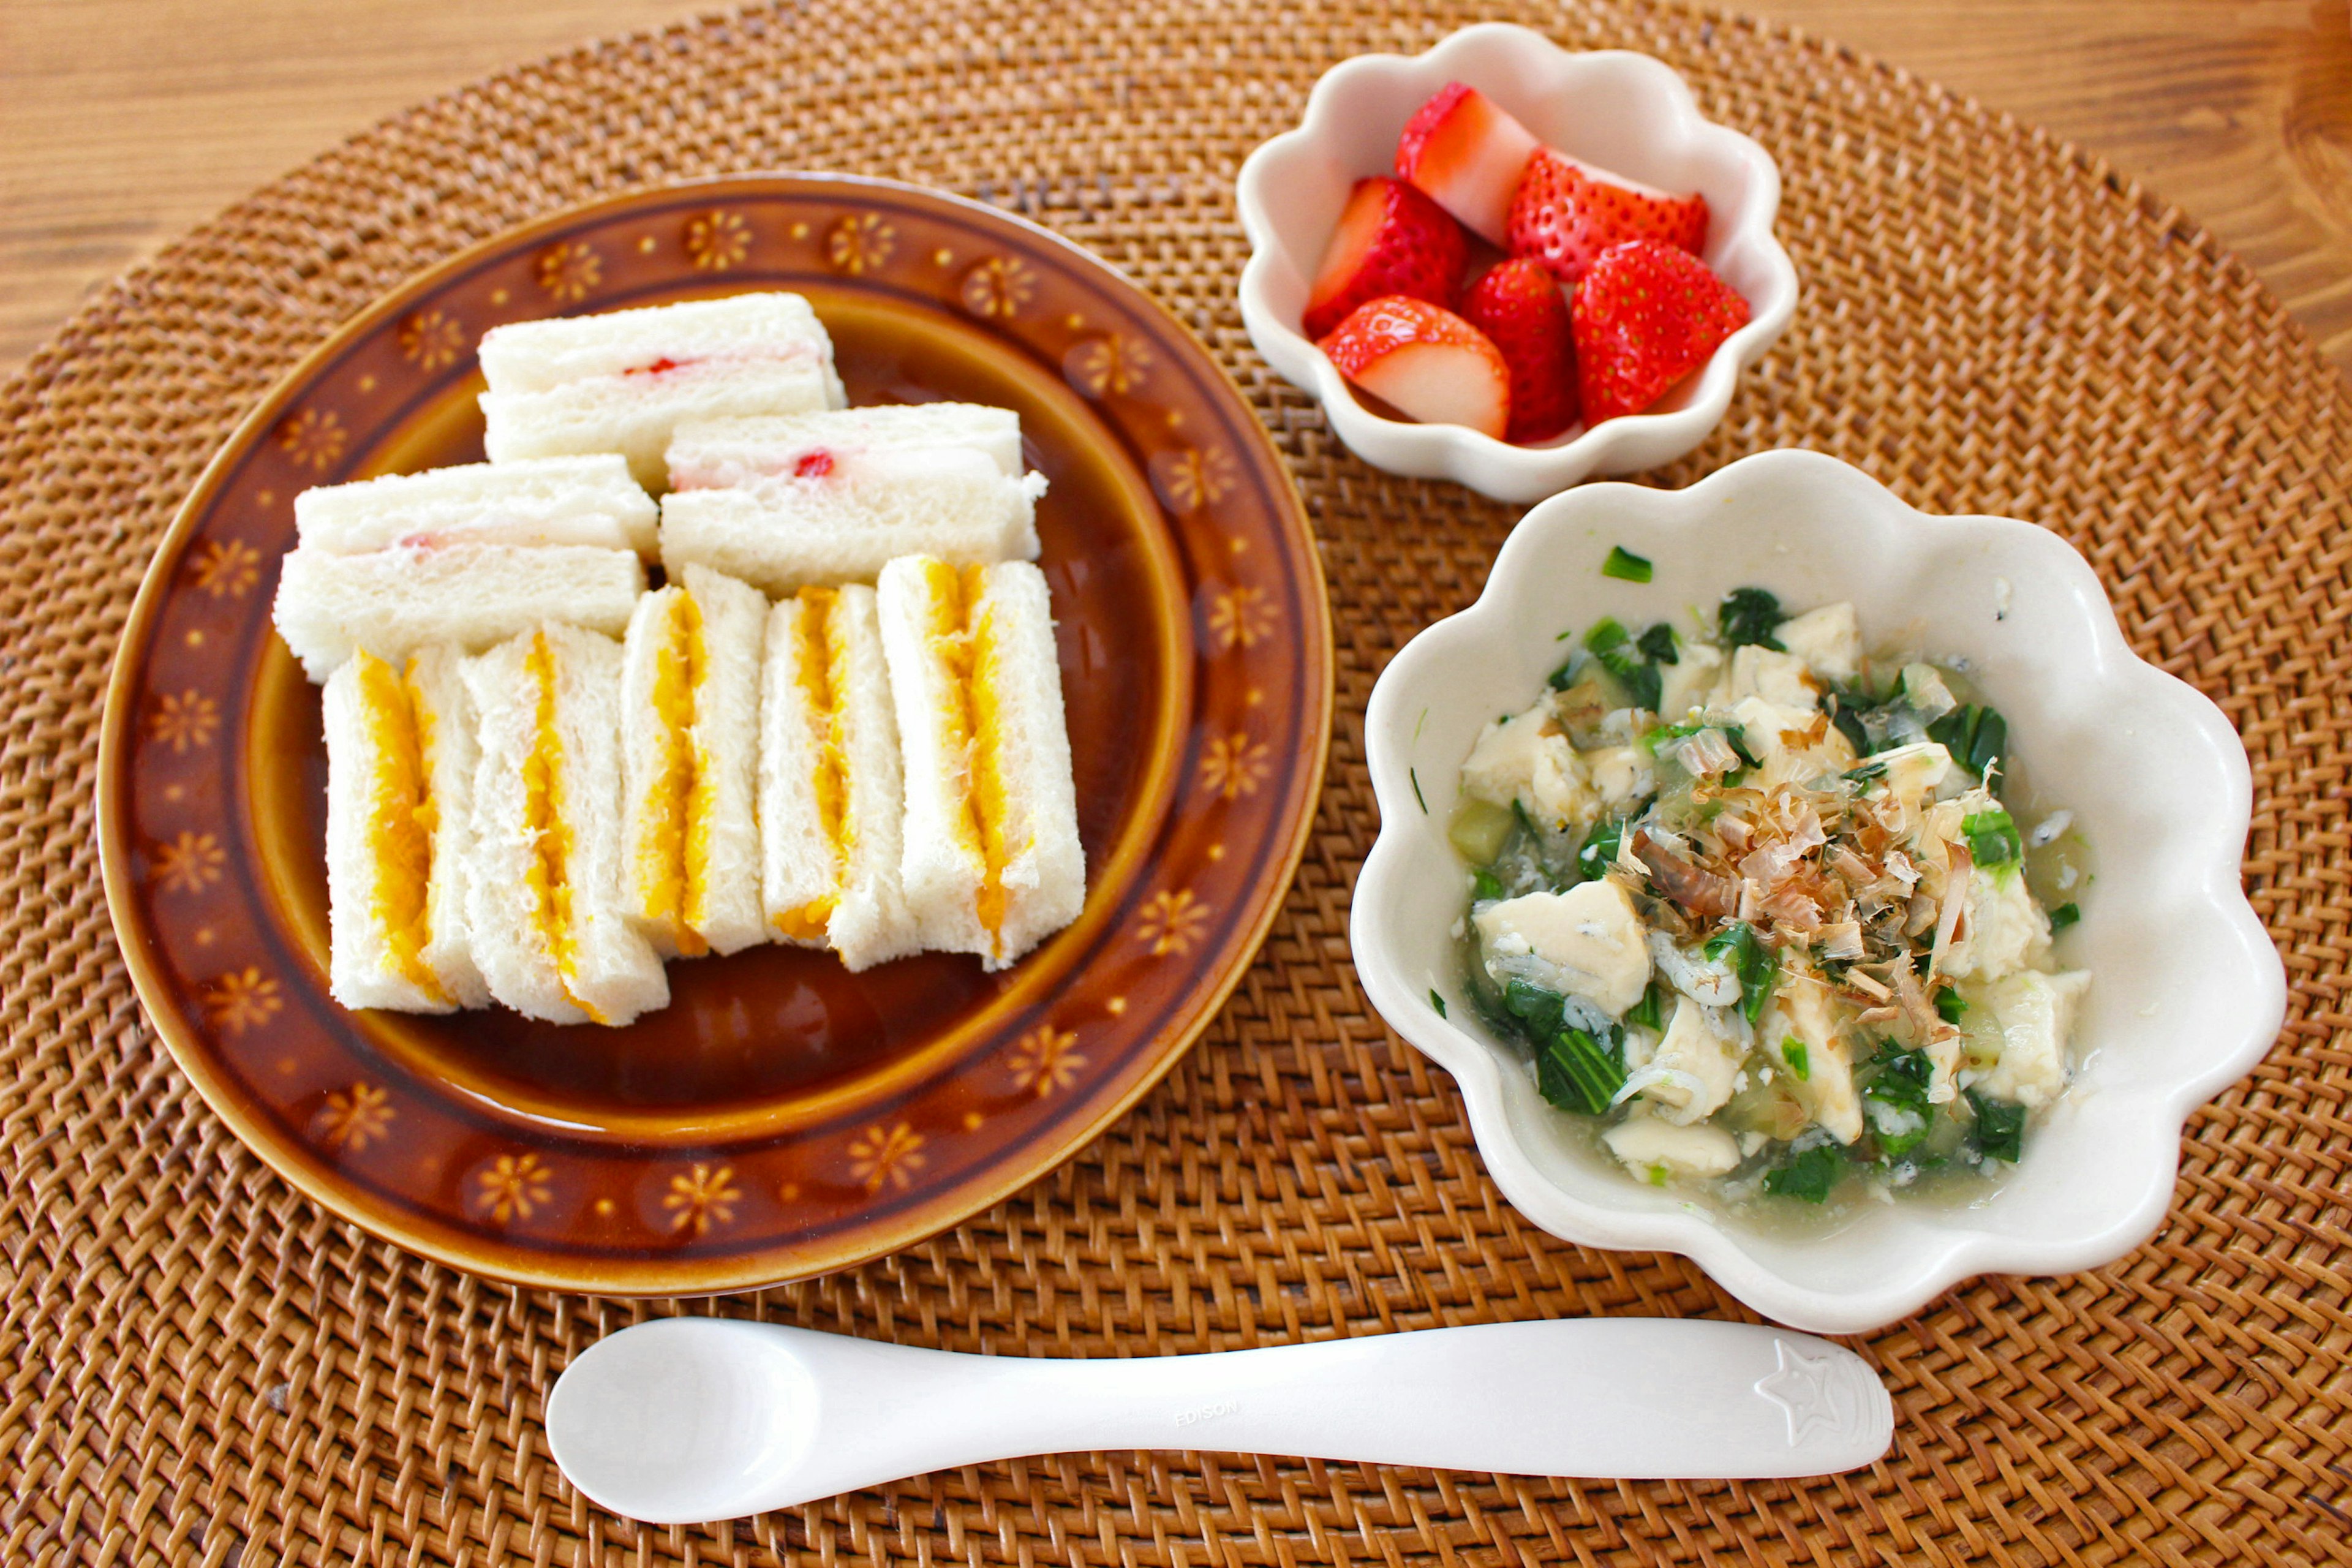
(122, 122)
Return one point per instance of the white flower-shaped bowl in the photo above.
(1623, 111)
(2187, 992)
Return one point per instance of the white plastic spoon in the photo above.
(686, 1419)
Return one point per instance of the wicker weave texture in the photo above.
(202, 1367)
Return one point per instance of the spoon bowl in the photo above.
(696, 1412)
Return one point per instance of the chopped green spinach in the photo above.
(1849, 724)
(1536, 1009)
(1809, 1174)
(1749, 616)
(2001, 1127)
(1756, 965)
(1900, 1087)
(1576, 1072)
(1993, 838)
(1978, 739)
(1599, 848)
(1615, 650)
(1626, 567)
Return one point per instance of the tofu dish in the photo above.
(1759, 907)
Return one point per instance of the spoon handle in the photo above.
(1591, 1397)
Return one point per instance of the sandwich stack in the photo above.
(545, 779)
(624, 381)
(785, 502)
(466, 555)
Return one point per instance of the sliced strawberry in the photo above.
(1426, 361)
(1519, 306)
(1647, 315)
(1391, 240)
(1468, 155)
(1565, 213)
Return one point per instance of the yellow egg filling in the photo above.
(990, 802)
(964, 644)
(400, 818)
(673, 852)
(822, 669)
(543, 815)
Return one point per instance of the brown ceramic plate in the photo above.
(782, 1117)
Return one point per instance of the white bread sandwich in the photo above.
(622, 380)
(829, 498)
(394, 602)
(544, 905)
(689, 765)
(831, 794)
(724, 454)
(400, 786)
(993, 864)
(541, 500)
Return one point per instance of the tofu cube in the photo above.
(2016, 1030)
(1828, 641)
(1799, 1026)
(1780, 678)
(1527, 759)
(1587, 942)
(1659, 1151)
(1704, 1061)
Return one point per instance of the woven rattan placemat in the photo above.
(200, 1367)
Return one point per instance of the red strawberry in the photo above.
(1646, 315)
(1468, 155)
(1429, 362)
(1520, 307)
(1391, 240)
(1565, 213)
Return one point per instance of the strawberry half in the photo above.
(1391, 240)
(1647, 315)
(1565, 214)
(1519, 306)
(1427, 361)
(1467, 154)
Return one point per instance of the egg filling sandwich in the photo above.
(620, 381)
(785, 502)
(690, 762)
(549, 931)
(400, 770)
(992, 862)
(830, 785)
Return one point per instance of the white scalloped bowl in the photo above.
(1625, 111)
(2187, 992)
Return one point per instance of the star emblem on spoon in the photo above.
(1811, 1392)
